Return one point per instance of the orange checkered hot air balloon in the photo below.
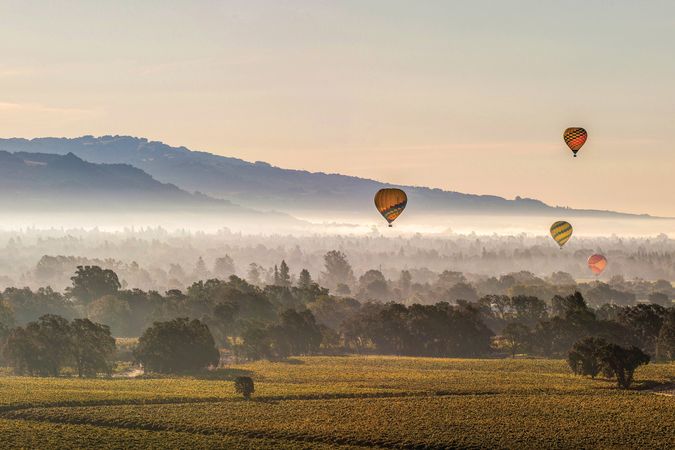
(575, 138)
(597, 263)
(390, 202)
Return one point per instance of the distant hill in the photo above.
(261, 185)
(53, 182)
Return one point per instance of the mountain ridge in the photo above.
(48, 182)
(261, 185)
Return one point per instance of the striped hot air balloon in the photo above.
(390, 202)
(597, 263)
(561, 232)
(575, 138)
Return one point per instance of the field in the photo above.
(345, 402)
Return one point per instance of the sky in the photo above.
(470, 96)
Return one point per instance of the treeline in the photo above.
(154, 259)
(302, 318)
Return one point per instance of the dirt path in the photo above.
(132, 372)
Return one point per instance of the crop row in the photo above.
(486, 421)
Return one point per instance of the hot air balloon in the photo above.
(597, 263)
(575, 138)
(561, 232)
(390, 202)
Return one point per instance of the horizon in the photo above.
(419, 98)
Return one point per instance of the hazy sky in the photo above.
(469, 96)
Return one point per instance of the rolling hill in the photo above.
(66, 183)
(261, 185)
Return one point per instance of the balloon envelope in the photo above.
(575, 138)
(597, 263)
(390, 202)
(561, 232)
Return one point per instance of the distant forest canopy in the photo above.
(154, 259)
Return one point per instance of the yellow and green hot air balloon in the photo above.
(561, 232)
(390, 202)
(575, 138)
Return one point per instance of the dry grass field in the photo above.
(346, 402)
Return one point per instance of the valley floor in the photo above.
(345, 402)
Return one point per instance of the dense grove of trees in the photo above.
(50, 344)
(452, 315)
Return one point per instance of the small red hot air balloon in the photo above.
(597, 263)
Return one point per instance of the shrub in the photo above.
(244, 386)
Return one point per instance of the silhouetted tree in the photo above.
(517, 337)
(93, 347)
(282, 276)
(179, 345)
(224, 267)
(337, 270)
(244, 386)
(644, 322)
(622, 362)
(373, 286)
(666, 340)
(305, 279)
(92, 282)
(585, 357)
(114, 312)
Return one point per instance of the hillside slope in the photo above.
(264, 186)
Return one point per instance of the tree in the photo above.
(6, 319)
(200, 272)
(28, 306)
(93, 347)
(659, 298)
(517, 337)
(255, 343)
(644, 322)
(666, 340)
(40, 348)
(305, 279)
(404, 284)
(461, 291)
(282, 276)
(337, 270)
(177, 346)
(224, 267)
(622, 362)
(296, 334)
(114, 312)
(244, 386)
(253, 274)
(92, 282)
(585, 357)
(373, 286)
